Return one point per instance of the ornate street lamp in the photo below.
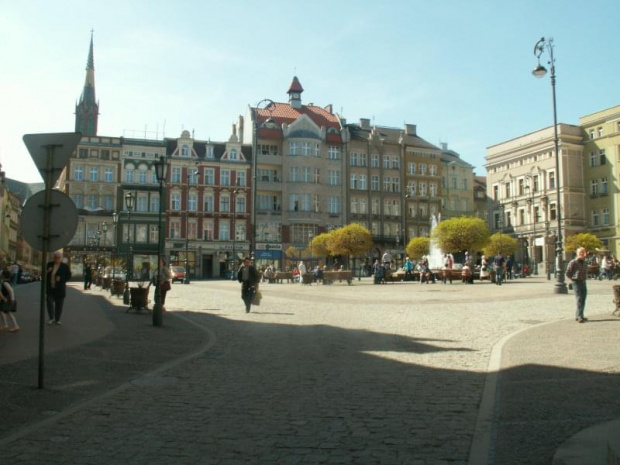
(268, 105)
(540, 71)
(160, 172)
(190, 174)
(129, 204)
(115, 249)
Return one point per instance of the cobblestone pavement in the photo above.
(363, 374)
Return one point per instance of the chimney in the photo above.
(329, 109)
(240, 126)
(410, 129)
(365, 123)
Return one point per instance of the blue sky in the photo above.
(460, 70)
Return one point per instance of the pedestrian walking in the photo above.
(56, 277)
(248, 277)
(163, 278)
(302, 271)
(577, 272)
(9, 304)
(498, 263)
(88, 276)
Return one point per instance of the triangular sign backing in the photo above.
(61, 145)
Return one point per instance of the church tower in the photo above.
(87, 110)
(294, 93)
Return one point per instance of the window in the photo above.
(374, 183)
(595, 218)
(193, 176)
(507, 190)
(395, 163)
(551, 179)
(594, 187)
(224, 231)
(107, 202)
(591, 133)
(225, 178)
(464, 184)
(411, 168)
(353, 159)
(185, 151)
(316, 175)
(239, 204)
(192, 228)
(209, 151)
(78, 173)
(603, 186)
(293, 148)
(553, 212)
(536, 183)
(496, 193)
(142, 176)
(363, 184)
(142, 203)
(423, 168)
(593, 159)
(508, 219)
(175, 175)
(432, 170)
(141, 233)
(241, 178)
(239, 231)
(175, 201)
(192, 202)
(155, 203)
(333, 153)
(154, 234)
(363, 205)
(602, 157)
(207, 232)
(375, 206)
(108, 175)
(411, 188)
(374, 161)
(606, 216)
(536, 218)
(333, 177)
(224, 204)
(433, 189)
(422, 189)
(305, 149)
(363, 159)
(78, 200)
(305, 174)
(232, 155)
(209, 176)
(92, 201)
(386, 161)
(600, 131)
(209, 203)
(317, 151)
(521, 216)
(93, 174)
(175, 229)
(333, 205)
(353, 184)
(294, 174)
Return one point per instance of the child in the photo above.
(8, 302)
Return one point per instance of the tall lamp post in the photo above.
(160, 172)
(104, 230)
(190, 174)
(115, 249)
(540, 71)
(266, 104)
(129, 203)
(233, 206)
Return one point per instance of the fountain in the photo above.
(435, 255)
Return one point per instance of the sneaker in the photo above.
(58, 322)
(51, 322)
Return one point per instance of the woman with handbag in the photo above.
(248, 277)
(9, 305)
(164, 282)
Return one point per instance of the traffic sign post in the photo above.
(50, 153)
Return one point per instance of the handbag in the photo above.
(165, 285)
(256, 298)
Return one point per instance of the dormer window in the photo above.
(232, 155)
(185, 151)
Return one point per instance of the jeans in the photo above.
(499, 275)
(581, 292)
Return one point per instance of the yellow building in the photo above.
(601, 136)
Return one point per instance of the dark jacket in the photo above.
(63, 274)
(253, 276)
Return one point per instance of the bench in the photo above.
(279, 276)
(329, 277)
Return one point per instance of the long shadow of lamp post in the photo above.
(160, 172)
(129, 204)
(540, 71)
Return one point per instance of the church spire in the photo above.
(87, 110)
